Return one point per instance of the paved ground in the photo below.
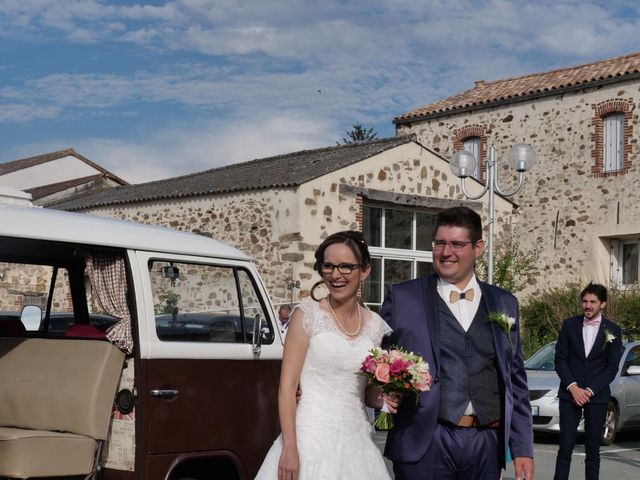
(620, 461)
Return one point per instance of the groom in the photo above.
(478, 404)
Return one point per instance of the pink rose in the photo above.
(382, 373)
(423, 382)
(395, 354)
(369, 365)
(397, 366)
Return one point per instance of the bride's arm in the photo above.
(295, 350)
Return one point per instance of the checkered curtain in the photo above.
(109, 281)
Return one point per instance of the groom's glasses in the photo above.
(455, 245)
(344, 268)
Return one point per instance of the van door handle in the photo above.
(164, 393)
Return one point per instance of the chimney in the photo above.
(479, 83)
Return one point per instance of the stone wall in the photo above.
(567, 206)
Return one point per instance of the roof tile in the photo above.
(287, 170)
(485, 94)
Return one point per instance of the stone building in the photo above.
(279, 209)
(580, 203)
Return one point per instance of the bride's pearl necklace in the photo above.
(342, 329)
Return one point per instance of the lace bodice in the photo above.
(317, 320)
(329, 374)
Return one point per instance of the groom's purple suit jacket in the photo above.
(411, 310)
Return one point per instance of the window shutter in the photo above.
(472, 144)
(614, 142)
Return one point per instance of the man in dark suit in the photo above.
(468, 332)
(588, 353)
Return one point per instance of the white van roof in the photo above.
(83, 228)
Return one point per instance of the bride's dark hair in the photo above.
(352, 239)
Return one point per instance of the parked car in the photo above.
(624, 406)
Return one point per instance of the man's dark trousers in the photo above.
(456, 453)
(594, 417)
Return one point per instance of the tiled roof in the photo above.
(46, 190)
(14, 166)
(287, 170)
(487, 94)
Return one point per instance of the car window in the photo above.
(543, 359)
(633, 357)
(205, 303)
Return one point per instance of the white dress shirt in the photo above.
(463, 310)
(589, 333)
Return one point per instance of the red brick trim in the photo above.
(600, 111)
(359, 212)
(460, 135)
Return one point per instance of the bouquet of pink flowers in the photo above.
(395, 370)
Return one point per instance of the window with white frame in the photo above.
(625, 261)
(613, 154)
(399, 240)
(472, 145)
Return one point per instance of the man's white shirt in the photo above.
(589, 334)
(463, 310)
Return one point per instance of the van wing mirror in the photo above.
(633, 370)
(31, 318)
(256, 342)
(170, 272)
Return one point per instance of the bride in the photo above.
(327, 435)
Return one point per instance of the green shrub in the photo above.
(542, 312)
(512, 266)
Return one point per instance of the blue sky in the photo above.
(161, 88)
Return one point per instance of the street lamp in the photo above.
(521, 158)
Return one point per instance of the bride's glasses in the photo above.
(344, 268)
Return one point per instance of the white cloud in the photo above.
(20, 113)
(181, 151)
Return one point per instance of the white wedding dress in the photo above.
(333, 432)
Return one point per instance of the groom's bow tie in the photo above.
(455, 296)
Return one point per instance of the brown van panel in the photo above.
(109, 474)
(221, 405)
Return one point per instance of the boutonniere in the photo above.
(502, 320)
(609, 337)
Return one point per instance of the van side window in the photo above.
(203, 303)
(253, 309)
(28, 285)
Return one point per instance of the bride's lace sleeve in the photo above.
(380, 328)
(313, 321)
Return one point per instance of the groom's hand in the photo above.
(524, 468)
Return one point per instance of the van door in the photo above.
(207, 390)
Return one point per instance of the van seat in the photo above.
(56, 398)
(42, 453)
(12, 326)
(81, 330)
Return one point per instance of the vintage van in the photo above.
(131, 352)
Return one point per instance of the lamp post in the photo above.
(521, 158)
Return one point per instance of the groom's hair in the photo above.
(461, 217)
(596, 289)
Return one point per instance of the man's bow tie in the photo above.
(455, 296)
(591, 323)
